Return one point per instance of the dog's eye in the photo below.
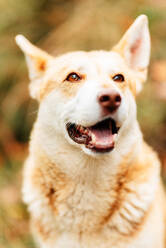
(73, 77)
(119, 78)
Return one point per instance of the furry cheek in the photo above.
(69, 90)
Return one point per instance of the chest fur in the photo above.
(93, 201)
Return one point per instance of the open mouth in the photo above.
(99, 138)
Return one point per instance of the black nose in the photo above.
(109, 100)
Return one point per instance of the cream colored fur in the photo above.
(77, 198)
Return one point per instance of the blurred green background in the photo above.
(59, 26)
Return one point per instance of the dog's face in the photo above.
(89, 97)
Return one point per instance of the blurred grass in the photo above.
(59, 26)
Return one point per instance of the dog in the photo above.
(90, 180)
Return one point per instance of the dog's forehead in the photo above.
(107, 57)
(93, 60)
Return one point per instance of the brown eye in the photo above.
(118, 78)
(73, 77)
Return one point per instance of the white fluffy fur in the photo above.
(93, 176)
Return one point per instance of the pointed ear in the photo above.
(135, 45)
(37, 59)
(37, 62)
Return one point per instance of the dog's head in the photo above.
(89, 97)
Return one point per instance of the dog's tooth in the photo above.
(86, 131)
(93, 138)
(115, 136)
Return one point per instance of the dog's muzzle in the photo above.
(99, 137)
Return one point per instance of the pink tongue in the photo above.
(103, 138)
